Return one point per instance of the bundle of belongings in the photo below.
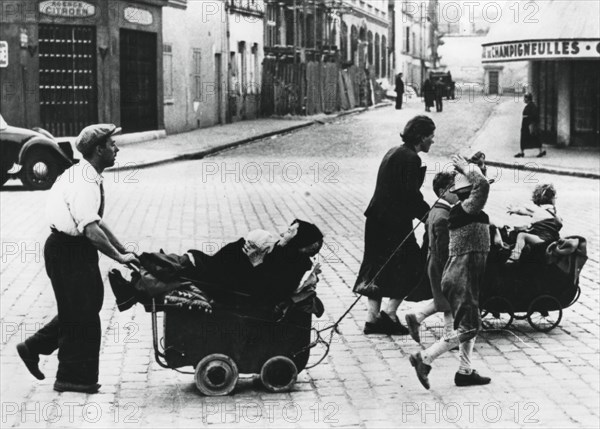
(257, 270)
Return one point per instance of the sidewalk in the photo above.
(498, 138)
(205, 141)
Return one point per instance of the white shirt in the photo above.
(74, 200)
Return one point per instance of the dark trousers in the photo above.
(439, 105)
(399, 98)
(72, 265)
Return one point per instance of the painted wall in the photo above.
(20, 103)
(197, 30)
(461, 55)
(246, 43)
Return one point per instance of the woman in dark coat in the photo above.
(396, 202)
(428, 92)
(530, 138)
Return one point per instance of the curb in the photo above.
(210, 151)
(205, 152)
(125, 139)
(548, 170)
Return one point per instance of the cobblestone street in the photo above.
(324, 174)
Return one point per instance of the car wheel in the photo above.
(40, 170)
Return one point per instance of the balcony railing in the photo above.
(248, 7)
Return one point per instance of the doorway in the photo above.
(494, 81)
(139, 104)
(68, 85)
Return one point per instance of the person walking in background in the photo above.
(399, 91)
(437, 231)
(439, 94)
(75, 212)
(388, 271)
(530, 138)
(463, 274)
(428, 92)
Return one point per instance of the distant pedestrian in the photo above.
(75, 212)
(428, 92)
(386, 271)
(399, 91)
(463, 275)
(530, 138)
(440, 88)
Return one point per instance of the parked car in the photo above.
(34, 156)
(449, 91)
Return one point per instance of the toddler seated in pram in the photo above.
(545, 223)
(258, 267)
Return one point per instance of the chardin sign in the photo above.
(67, 8)
(541, 49)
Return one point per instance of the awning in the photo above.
(550, 29)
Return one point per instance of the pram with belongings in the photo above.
(222, 333)
(538, 287)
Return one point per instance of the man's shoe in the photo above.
(473, 379)
(541, 154)
(394, 326)
(421, 368)
(31, 360)
(65, 386)
(520, 155)
(413, 327)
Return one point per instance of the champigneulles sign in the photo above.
(67, 8)
(541, 49)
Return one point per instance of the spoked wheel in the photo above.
(545, 313)
(278, 374)
(497, 313)
(216, 375)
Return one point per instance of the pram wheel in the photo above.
(545, 313)
(497, 313)
(216, 375)
(278, 374)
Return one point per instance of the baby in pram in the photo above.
(545, 223)
(259, 267)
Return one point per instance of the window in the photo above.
(168, 70)
(407, 40)
(197, 75)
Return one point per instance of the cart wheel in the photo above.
(216, 375)
(545, 313)
(278, 374)
(497, 313)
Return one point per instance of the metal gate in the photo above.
(68, 89)
(139, 107)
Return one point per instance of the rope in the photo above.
(334, 327)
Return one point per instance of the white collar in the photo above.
(89, 172)
(444, 202)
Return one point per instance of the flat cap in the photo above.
(92, 135)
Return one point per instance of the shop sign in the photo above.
(3, 54)
(541, 49)
(136, 15)
(67, 8)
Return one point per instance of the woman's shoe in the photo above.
(541, 154)
(520, 155)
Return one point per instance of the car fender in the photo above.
(38, 142)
